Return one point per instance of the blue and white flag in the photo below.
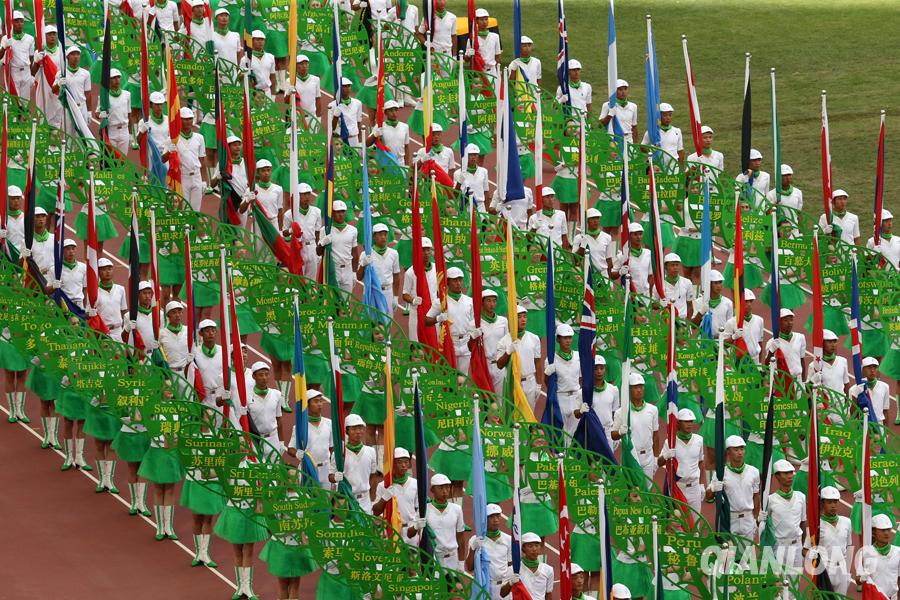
(652, 75)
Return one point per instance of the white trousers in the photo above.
(310, 260)
(692, 492)
(192, 189)
(346, 278)
(120, 137)
(24, 82)
(743, 523)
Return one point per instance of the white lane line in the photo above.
(122, 500)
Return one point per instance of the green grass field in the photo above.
(849, 48)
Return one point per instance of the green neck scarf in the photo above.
(41, 237)
(636, 251)
(531, 564)
(785, 494)
(197, 21)
(339, 226)
(525, 59)
(439, 505)
(223, 31)
(665, 127)
(303, 77)
(105, 286)
(428, 266)
(302, 210)
(441, 13)
(594, 232)
(258, 53)
(346, 101)
(454, 296)
(747, 317)
(887, 236)
(380, 249)
(672, 280)
(70, 265)
(483, 34)
(472, 169)
(391, 122)
(115, 93)
(488, 318)
(260, 391)
(575, 84)
(493, 533)
(828, 357)
(566, 356)
(265, 184)
(158, 121)
(736, 470)
(71, 69)
(707, 151)
(186, 134)
(14, 213)
(872, 381)
(18, 36)
(143, 310)
(684, 436)
(840, 215)
(401, 480)
(622, 103)
(354, 448)
(548, 212)
(714, 302)
(883, 550)
(787, 191)
(51, 49)
(832, 519)
(209, 352)
(176, 329)
(600, 388)
(636, 408)
(161, 3)
(437, 148)
(315, 418)
(785, 336)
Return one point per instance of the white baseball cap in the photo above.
(494, 509)
(231, 139)
(783, 466)
(526, 40)
(17, 14)
(257, 33)
(104, 262)
(706, 129)
(785, 312)
(302, 58)
(672, 257)
(310, 394)
(599, 360)
(391, 104)
(828, 334)
(114, 73)
(72, 49)
(620, 591)
(576, 569)
(40, 211)
(749, 295)
(473, 149)
(206, 323)
(565, 330)
(338, 206)
(481, 12)
(666, 107)
(635, 379)
(547, 191)
(354, 420)
(437, 128)
(144, 285)
(716, 276)
(379, 227)
(574, 64)
(829, 492)
(304, 188)
(186, 113)
(786, 170)
(157, 98)
(439, 479)
(454, 273)
(870, 361)
(346, 81)
(886, 214)
(401, 453)
(49, 29)
(838, 193)
(531, 538)
(755, 154)
(70, 242)
(426, 242)
(621, 83)
(686, 414)
(173, 305)
(262, 164)
(13, 190)
(221, 11)
(635, 227)
(882, 522)
(593, 213)
(735, 441)
(521, 309)
(259, 366)
(488, 294)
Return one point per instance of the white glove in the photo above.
(877, 247)
(151, 345)
(470, 52)
(549, 369)
(221, 392)
(623, 429)
(442, 317)
(325, 240)
(363, 4)
(5, 42)
(516, 346)
(624, 270)
(60, 81)
(612, 110)
(417, 301)
(700, 305)
(248, 196)
(334, 110)
(65, 381)
(738, 333)
(245, 63)
(579, 240)
(827, 229)
(2, 234)
(171, 147)
(761, 518)
(812, 555)
(584, 408)
(475, 333)
(102, 114)
(514, 579)
(386, 494)
(816, 378)
(151, 11)
(422, 28)
(856, 390)
(559, 167)
(365, 260)
(35, 360)
(338, 477)
(289, 90)
(39, 56)
(143, 127)
(716, 486)
(666, 453)
(857, 496)
(128, 325)
(420, 523)
(377, 131)
(477, 543)
(771, 345)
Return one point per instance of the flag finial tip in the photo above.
(772, 70)
(747, 54)
(648, 16)
(882, 112)
(684, 36)
(824, 92)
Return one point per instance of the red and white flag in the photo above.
(95, 321)
(693, 104)
(565, 551)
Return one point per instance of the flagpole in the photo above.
(826, 160)
(655, 526)
(767, 467)
(224, 314)
(602, 533)
(582, 173)
(538, 150)
(516, 516)
(865, 471)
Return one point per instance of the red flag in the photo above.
(565, 553)
(879, 185)
(812, 487)
(379, 90)
(192, 373)
(445, 338)
(425, 335)
(477, 59)
(95, 321)
(693, 104)
(866, 477)
(738, 287)
(656, 247)
(145, 93)
(237, 360)
(826, 162)
(430, 167)
(248, 146)
(478, 366)
(870, 591)
(174, 173)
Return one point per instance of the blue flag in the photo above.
(517, 27)
(373, 295)
(158, 168)
(706, 258)
(552, 412)
(652, 75)
(479, 507)
(562, 57)
(301, 418)
(863, 400)
(515, 187)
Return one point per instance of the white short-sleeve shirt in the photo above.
(446, 524)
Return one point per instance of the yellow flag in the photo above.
(515, 368)
(292, 43)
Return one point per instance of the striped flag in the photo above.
(826, 161)
(565, 551)
(427, 96)
(154, 276)
(723, 507)
(337, 70)
(224, 329)
(606, 563)
(562, 57)
(373, 295)
(766, 535)
(478, 365)
(301, 417)
(515, 186)
(738, 287)
(821, 580)
(747, 122)
(59, 220)
(651, 72)
(482, 570)
(391, 510)
(105, 70)
(92, 249)
(612, 69)
(463, 114)
(192, 373)
(229, 210)
(423, 333)
(292, 41)
(776, 151)
(538, 151)
(671, 487)
(693, 104)
(879, 184)
(143, 139)
(706, 258)
(863, 400)
(337, 414)
(248, 145)
(473, 43)
(237, 360)
(445, 337)
(134, 270)
(818, 304)
(656, 243)
(173, 177)
(552, 411)
(515, 369)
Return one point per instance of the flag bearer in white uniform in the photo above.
(227, 43)
(318, 437)
(360, 464)
(722, 308)
(834, 540)
(528, 66)
(496, 548)
(111, 303)
(308, 88)
(880, 563)
(270, 195)
(410, 293)
(442, 155)
(597, 243)
(879, 391)
(834, 373)
(567, 368)
(394, 133)
(386, 262)
(310, 219)
(678, 289)
(605, 400)
(529, 348)
(550, 221)
(191, 153)
(844, 224)
(208, 358)
(791, 197)
(688, 452)
(351, 109)
(73, 279)
(751, 330)
(43, 242)
(537, 576)
(488, 42)
(77, 82)
(473, 180)
(444, 37)
(888, 244)
(708, 156)
(670, 138)
(173, 337)
(264, 407)
(405, 489)
(579, 583)
(580, 92)
(637, 263)
(494, 328)
(624, 111)
(262, 64)
(761, 179)
(791, 344)
(47, 102)
(641, 420)
(144, 322)
(119, 117)
(19, 51)
(446, 521)
(741, 485)
(786, 516)
(460, 313)
(344, 249)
